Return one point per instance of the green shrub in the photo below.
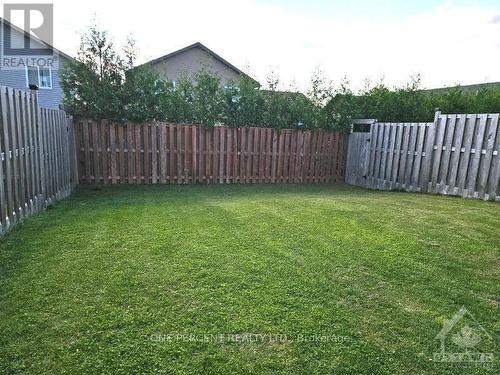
(102, 84)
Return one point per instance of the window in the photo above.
(42, 77)
(32, 76)
(235, 90)
(45, 78)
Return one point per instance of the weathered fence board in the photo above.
(357, 158)
(37, 156)
(182, 154)
(454, 155)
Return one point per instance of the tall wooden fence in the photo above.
(38, 159)
(179, 154)
(454, 155)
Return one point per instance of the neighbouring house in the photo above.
(20, 73)
(191, 59)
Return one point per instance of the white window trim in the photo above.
(50, 79)
(38, 72)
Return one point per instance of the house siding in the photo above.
(16, 78)
(192, 61)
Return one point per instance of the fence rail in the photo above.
(109, 153)
(38, 159)
(454, 155)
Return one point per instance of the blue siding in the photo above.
(16, 78)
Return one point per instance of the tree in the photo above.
(208, 98)
(141, 95)
(338, 113)
(92, 83)
(177, 105)
(244, 103)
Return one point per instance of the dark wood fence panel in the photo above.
(189, 154)
(37, 156)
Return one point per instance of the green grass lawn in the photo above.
(145, 279)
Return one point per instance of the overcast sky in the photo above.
(447, 42)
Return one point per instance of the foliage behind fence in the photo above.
(109, 153)
(38, 161)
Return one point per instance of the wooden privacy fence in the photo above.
(38, 159)
(454, 155)
(109, 153)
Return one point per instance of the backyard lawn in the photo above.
(246, 279)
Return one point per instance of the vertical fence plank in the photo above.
(187, 177)
(208, 155)
(138, 153)
(455, 155)
(28, 193)
(438, 151)
(20, 153)
(5, 193)
(378, 155)
(194, 154)
(113, 148)
(470, 125)
(410, 155)
(236, 155)
(42, 149)
(86, 150)
(105, 128)
(425, 179)
(373, 152)
(243, 155)
(154, 153)
(494, 177)
(36, 152)
(445, 159)
(383, 161)
(419, 149)
(146, 152)
(476, 156)
(171, 154)
(178, 153)
(163, 153)
(95, 150)
(120, 142)
(15, 155)
(390, 157)
(220, 137)
(130, 153)
(485, 167)
(253, 149)
(312, 160)
(9, 152)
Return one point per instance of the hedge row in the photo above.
(102, 83)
